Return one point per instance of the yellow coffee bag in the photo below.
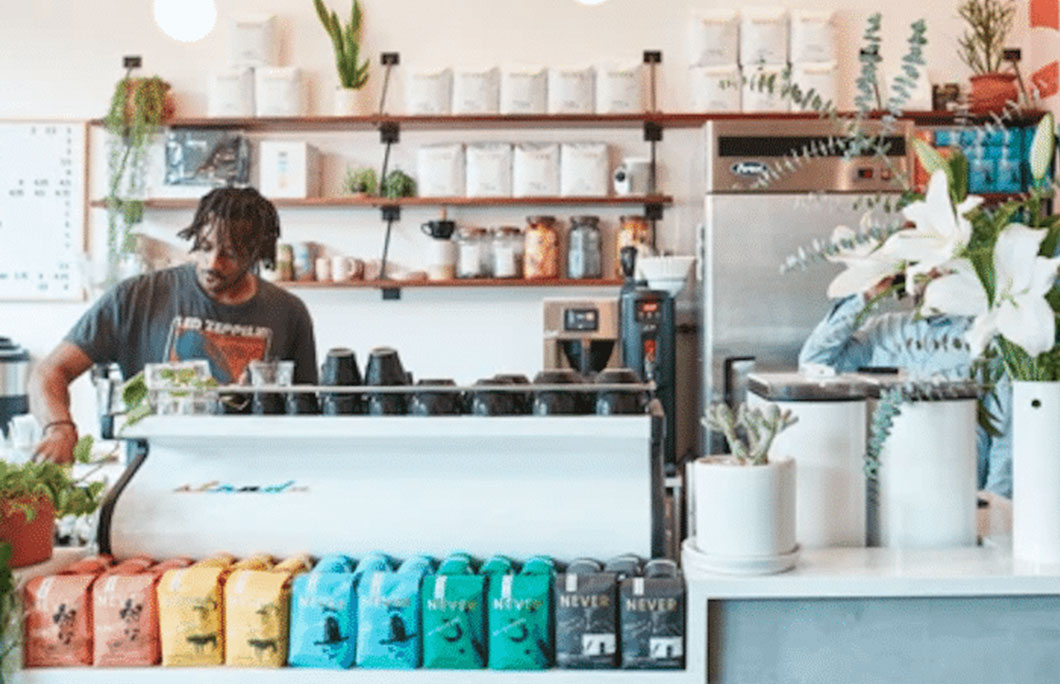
(191, 616)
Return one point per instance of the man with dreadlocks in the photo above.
(215, 308)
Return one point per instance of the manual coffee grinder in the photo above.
(647, 330)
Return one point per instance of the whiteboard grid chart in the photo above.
(42, 209)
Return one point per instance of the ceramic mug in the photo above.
(440, 230)
(341, 269)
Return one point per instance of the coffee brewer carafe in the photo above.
(581, 334)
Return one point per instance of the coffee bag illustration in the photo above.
(257, 614)
(389, 633)
(125, 614)
(652, 614)
(586, 600)
(58, 615)
(324, 615)
(454, 616)
(520, 620)
(191, 614)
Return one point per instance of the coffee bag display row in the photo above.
(762, 88)
(242, 91)
(520, 170)
(513, 90)
(762, 35)
(58, 615)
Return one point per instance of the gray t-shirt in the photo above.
(166, 316)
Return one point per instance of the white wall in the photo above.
(61, 59)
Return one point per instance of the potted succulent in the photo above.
(363, 182)
(744, 504)
(981, 48)
(346, 41)
(138, 109)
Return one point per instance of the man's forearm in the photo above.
(49, 394)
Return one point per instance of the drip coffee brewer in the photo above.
(581, 335)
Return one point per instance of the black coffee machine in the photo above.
(14, 375)
(647, 329)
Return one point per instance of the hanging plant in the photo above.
(138, 109)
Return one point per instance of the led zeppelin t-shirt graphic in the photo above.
(229, 347)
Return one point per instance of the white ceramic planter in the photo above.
(828, 444)
(743, 511)
(1036, 471)
(927, 479)
(351, 102)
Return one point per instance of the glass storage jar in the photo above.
(507, 252)
(541, 258)
(472, 257)
(633, 231)
(584, 254)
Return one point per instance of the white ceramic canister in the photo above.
(828, 444)
(927, 482)
(1036, 471)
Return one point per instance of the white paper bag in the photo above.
(279, 91)
(252, 40)
(535, 170)
(620, 88)
(231, 92)
(757, 97)
(476, 91)
(819, 77)
(715, 37)
(812, 36)
(570, 91)
(715, 88)
(763, 36)
(440, 170)
(429, 92)
(585, 170)
(489, 170)
(524, 90)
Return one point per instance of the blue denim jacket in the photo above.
(924, 347)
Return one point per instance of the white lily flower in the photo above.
(867, 264)
(958, 292)
(940, 232)
(1020, 312)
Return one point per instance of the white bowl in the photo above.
(666, 272)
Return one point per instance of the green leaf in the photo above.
(1042, 147)
(83, 449)
(958, 166)
(931, 159)
(134, 392)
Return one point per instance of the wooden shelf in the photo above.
(370, 202)
(466, 282)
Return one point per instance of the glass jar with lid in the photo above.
(507, 252)
(541, 257)
(633, 231)
(472, 252)
(584, 252)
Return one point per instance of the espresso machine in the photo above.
(648, 333)
(14, 375)
(581, 334)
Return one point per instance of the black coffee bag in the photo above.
(587, 620)
(652, 615)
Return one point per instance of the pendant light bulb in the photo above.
(185, 20)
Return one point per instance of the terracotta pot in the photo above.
(991, 92)
(31, 542)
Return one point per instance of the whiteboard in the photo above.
(42, 209)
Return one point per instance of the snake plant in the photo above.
(346, 40)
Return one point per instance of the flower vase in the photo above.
(1036, 471)
(351, 102)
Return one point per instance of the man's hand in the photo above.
(57, 444)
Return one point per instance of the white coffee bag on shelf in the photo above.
(818, 77)
(620, 88)
(715, 88)
(429, 92)
(570, 90)
(288, 168)
(440, 170)
(758, 96)
(524, 90)
(279, 91)
(476, 91)
(253, 40)
(715, 37)
(535, 170)
(812, 36)
(585, 170)
(489, 170)
(763, 36)
(231, 92)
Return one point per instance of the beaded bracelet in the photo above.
(56, 423)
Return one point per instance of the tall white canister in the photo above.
(925, 494)
(828, 445)
(1036, 472)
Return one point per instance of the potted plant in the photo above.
(346, 41)
(138, 109)
(744, 503)
(981, 48)
(364, 182)
(8, 611)
(398, 184)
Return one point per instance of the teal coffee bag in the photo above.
(389, 633)
(520, 621)
(454, 621)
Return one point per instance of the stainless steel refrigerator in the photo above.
(748, 308)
